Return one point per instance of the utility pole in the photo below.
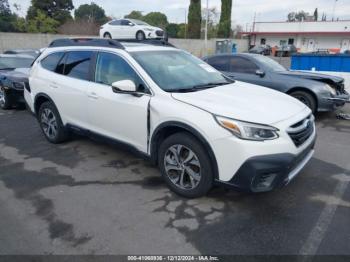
(206, 30)
(333, 12)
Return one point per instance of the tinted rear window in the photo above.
(50, 62)
(78, 64)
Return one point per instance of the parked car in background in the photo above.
(130, 29)
(314, 90)
(198, 125)
(14, 70)
(32, 52)
(286, 50)
(261, 49)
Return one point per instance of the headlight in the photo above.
(18, 85)
(249, 131)
(331, 89)
(148, 29)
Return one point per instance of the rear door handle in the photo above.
(93, 95)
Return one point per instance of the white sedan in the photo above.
(130, 29)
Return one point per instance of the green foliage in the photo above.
(135, 15)
(297, 17)
(156, 19)
(224, 30)
(4, 7)
(7, 18)
(58, 10)
(20, 24)
(316, 14)
(92, 13)
(42, 23)
(194, 19)
(181, 33)
(172, 30)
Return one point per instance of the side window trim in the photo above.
(93, 72)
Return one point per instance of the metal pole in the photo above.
(206, 30)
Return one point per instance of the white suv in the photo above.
(200, 127)
(130, 29)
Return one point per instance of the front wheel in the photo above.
(51, 123)
(306, 99)
(185, 165)
(140, 36)
(5, 99)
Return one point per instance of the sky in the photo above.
(243, 11)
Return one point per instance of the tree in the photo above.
(194, 19)
(181, 33)
(225, 19)
(299, 16)
(7, 18)
(156, 19)
(172, 30)
(316, 14)
(135, 15)
(92, 13)
(58, 10)
(42, 23)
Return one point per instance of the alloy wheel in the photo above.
(2, 96)
(49, 123)
(182, 167)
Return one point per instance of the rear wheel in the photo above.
(51, 123)
(5, 99)
(107, 36)
(305, 98)
(185, 165)
(140, 36)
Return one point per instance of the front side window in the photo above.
(176, 71)
(242, 65)
(51, 61)
(111, 68)
(115, 22)
(125, 22)
(221, 63)
(77, 64)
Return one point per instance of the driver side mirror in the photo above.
(130, 24)
(124, 87)
(260, 73)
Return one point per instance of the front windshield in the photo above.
(271, 64)
(178, 71)
(138, 22)
(15, 62)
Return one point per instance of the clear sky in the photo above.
(242, 11)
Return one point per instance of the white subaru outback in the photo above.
(200, 127)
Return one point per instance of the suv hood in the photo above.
(246, 102)
(19, 74)
(312, 76)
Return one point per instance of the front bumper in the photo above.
(267, 172)
(333, 102)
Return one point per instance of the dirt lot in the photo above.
(86, 197)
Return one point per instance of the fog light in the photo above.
(264, 181)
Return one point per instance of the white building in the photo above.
(307, 36)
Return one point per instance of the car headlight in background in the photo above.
(19, 85)
(148, 29)
(331, 89)
(249, 131)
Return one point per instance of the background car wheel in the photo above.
(140, 35)
(5, 99)
(107, 36)
(185, 165)
(305, 98)
(51, 123)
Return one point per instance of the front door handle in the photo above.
(93, 95)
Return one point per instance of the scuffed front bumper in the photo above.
(267, 172)
(333, 102)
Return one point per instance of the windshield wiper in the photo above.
(198, 87)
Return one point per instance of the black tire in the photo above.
(5, 99)
(60, 135)
(306, 99)
(107, 36)
(140, 36)
(205, 172)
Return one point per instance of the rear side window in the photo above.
(115, 22)
(77, 64)
(242, 65)
(221, 63)
(50, 62)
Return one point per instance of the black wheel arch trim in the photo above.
(156, 136)
(42, 95)
(303, 89)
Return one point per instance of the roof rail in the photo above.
(157, 42)
(86, 42)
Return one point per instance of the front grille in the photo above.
(159, 33)
(301, 131)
